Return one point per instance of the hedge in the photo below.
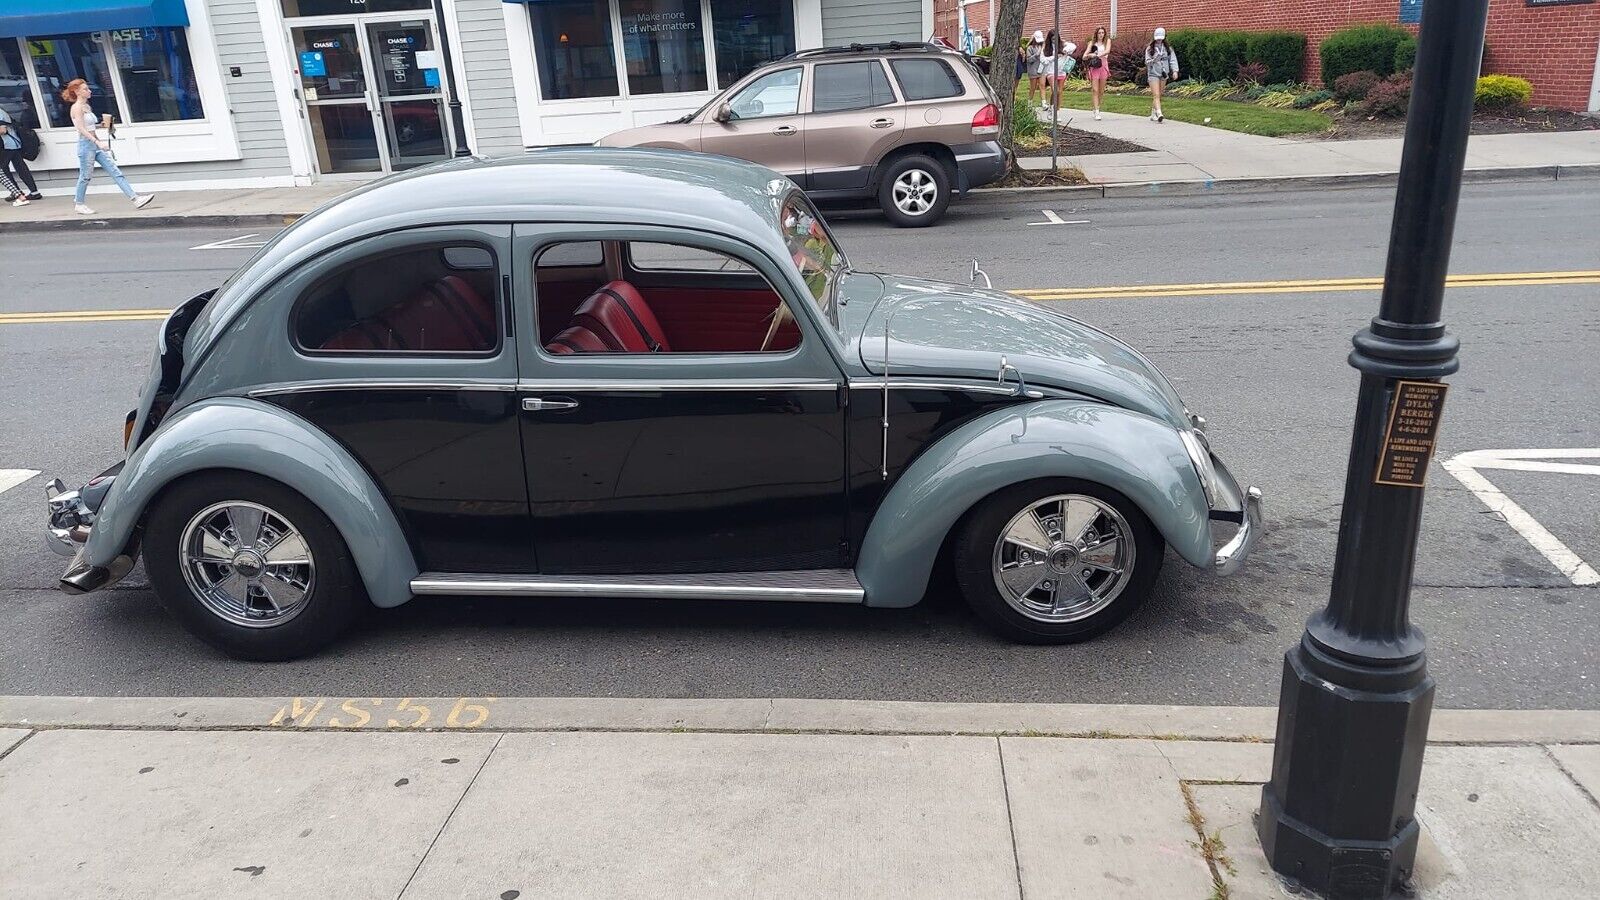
(1282, 52)
(1405, 55)
(1361, 48)
(1503, 93)
(1217, 55)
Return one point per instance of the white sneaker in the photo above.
(82, 210)
(142, 200)
(21, 201)
(1097, 115)
(1152, 115)
(1160, 117)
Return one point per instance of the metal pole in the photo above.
(458, 121)
(1055, 107)
(1338, 815)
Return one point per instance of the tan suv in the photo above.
(907, 124)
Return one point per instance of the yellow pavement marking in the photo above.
(1201, 289)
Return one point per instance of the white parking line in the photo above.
(10, 478)
(1465, 466)
(1052, 219)
(242, 242)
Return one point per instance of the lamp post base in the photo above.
(1348, 760)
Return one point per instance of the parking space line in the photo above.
(1465, 466)
(10, 478)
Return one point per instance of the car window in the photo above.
(433, 300)
(774, 94)
(926, 79)
(850, 85)
(647, 256)
(573, 254)
(813, 252)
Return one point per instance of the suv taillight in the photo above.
(986, 121)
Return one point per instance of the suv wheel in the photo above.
(914, 191)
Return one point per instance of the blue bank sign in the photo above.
(1410, 12)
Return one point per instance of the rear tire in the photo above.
(1056, 561)
(914, 191)
(251, 567)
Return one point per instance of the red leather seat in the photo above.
(576, 340)
(622, 320)
(446, 315)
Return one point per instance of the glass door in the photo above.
(333, 85)
(410, 94)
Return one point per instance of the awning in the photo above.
(31, 18)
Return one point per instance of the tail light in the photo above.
(986, 121)
(127, 427)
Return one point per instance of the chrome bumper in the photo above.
(1233, 553)
(71, 518)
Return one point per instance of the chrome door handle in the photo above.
(881, 123)
(540, 404)
(784, 130)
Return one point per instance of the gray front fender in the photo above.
(236, 433)
(1129, 452)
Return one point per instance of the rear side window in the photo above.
(926, 79)
(436, 300)
(850, 85)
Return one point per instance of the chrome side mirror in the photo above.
(979, 273)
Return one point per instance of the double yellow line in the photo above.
(1123, 292)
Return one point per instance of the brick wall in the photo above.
(1553, 46)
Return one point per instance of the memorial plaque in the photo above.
(1413, 429)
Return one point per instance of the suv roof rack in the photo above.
(889, 47)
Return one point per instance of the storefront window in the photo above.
(572, 43)
(349, 7)
(58, 59)
(663, 45)
(15, 97)
(157, 80)
(749, 33)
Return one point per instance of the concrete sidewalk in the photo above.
(1185, 153)
(475, 797)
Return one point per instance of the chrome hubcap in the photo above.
(246, 563)
(915, 192)
(1063, 558)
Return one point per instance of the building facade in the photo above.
(1553, 43)
(262, 93)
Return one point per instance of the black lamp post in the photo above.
(1337, 816)
(458, 122)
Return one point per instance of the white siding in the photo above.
(480, 48)
(866, 21)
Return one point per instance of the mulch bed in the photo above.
(1082, 143)
(1066, 177)
(1349, 127)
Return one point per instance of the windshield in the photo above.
(814, 254)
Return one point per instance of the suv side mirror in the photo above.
(723, 115)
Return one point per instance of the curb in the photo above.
(786, 716)
(274, 220)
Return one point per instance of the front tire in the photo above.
(914, 191)
(1056, 561)
(251, 567)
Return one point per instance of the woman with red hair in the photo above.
(92, 149)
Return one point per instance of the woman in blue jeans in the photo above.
(91, 149)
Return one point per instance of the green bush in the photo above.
(1306, 101)
(1189, 44)
(1223, 54)
(1025, 123)
(1405, 55)
(1282, 52)
(1502, 93)
(1355, 85)
(1361, 48)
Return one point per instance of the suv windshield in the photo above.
(814, 254)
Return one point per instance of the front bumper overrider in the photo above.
(71, 517)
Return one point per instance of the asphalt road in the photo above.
(1506, 628)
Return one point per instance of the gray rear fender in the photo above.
(251, 436)
(1131, 453)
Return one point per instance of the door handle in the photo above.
(540, 404)
(881, 123)
(784, 130)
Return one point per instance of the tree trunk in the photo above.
(1003, 64)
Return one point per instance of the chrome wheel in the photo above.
(246, 563)
(1063, 558)
(915, 192)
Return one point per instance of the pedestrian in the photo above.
(94, 149)
(1161, 66)
(13, 166)
(1058, 65)
(1097, 62)
(1035, 61)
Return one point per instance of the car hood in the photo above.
(674, 134)
(941, 329)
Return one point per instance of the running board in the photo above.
(805, 586)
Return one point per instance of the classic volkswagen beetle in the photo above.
(632, 373)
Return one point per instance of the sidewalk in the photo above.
(1180, 152)
(314, 797)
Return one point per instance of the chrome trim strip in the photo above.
(674, 384)
(734, 586)
(1233, 553)
(408, 384)
(878, 384)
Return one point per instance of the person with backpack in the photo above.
(13, 162)
(1035, 63)
(1161, 66)
(92, 149)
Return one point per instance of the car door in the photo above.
(659, 462)
(766, 126)
(855, 118)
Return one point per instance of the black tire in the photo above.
(936, 175)
(975, 551)
(336, 599)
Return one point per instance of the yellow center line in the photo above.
(1199, 289)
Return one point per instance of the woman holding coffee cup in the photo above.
(92, 148)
